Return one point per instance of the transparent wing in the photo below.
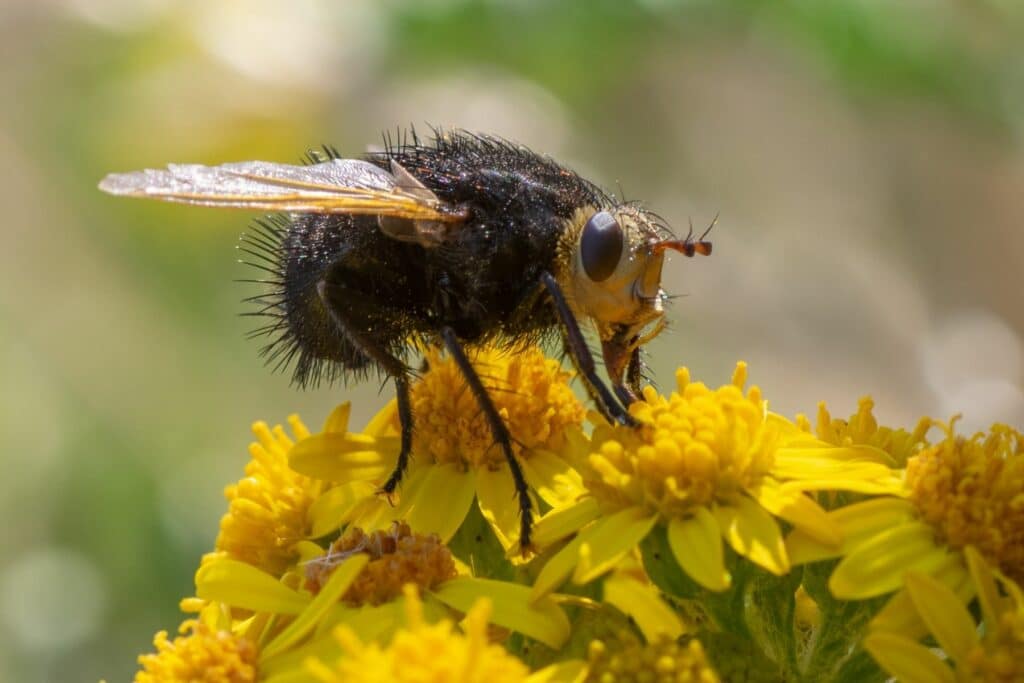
(346, 186)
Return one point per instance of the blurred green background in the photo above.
(865, 158)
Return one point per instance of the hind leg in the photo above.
(393, 367)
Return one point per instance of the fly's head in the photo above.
(611, 268)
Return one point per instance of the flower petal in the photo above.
(341, 578)
(603, 549)
(569, 671)
(899, 615)
(565, 521)
(384, 422)
(799, 510)
(889, 486)
(439, 502)
(496, 496)
(344, 457)
(337, 421)
(696, 543)
(908, 661)
(857, 523)
(334, 507)
(560, 566)
(241, 585)
(643, 604)
(754, 534)
(554, 480)
(988, 592)
(877, 566)
(542, 620)
(940, 609)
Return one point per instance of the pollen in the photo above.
(425, 652)
(267, 508)
(199, 655)
(971, 490)
(663, 661)
(696, 446)
(398, 557)
(532, 395)
(862, 429)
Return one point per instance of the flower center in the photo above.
(203, 655)
(862, 429)
(267, 508)
(663, 660)
(531, 393)
(696, 446)
(399, 556)
(972, 492)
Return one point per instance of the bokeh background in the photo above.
(865, 158)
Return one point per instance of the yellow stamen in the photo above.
(697, 446)
(971, 491)
(664, 659)
(531, 393)
(267, 508)
(199, 655)
(862, 430)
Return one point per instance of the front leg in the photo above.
(576, 347)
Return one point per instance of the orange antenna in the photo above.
(688, 246)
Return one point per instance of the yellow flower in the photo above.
(424, 652)
(353, 583)
(454, 456)
(862, 429)
(960, 491)
(993, 653)
(709, 464)
(207, 651)
(267, 508)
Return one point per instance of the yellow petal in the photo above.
(988, 592)
(344, 457)
(542, 620)
(799, 510)
(908, 661)
(754, 534)
(496, 496)
(827, 457)
(335, 506)
(560, 566)
(341, 578)
(643, 604)
(696, 543)
(554, 480)
(857, 523)
(241, 585)
(899, 615)
(438, 504)
(299, 674)
(941, 610)
(337, 421)
(877, 566)
(605, 547)
(883, 486)
(570, 671)
(383, 423)
(565, 521)
(307, 550)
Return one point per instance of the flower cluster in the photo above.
(713, 541)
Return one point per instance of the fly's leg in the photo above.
(630, 391)
(393, 367)
(576, 346)
(498, 429)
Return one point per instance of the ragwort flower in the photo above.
(454, 456)
(709, 464)
(989, 653)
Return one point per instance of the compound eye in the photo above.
(601, 246)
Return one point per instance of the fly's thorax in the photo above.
(609, 269)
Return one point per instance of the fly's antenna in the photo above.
(689, 246)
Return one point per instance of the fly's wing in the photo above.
(341, 186)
